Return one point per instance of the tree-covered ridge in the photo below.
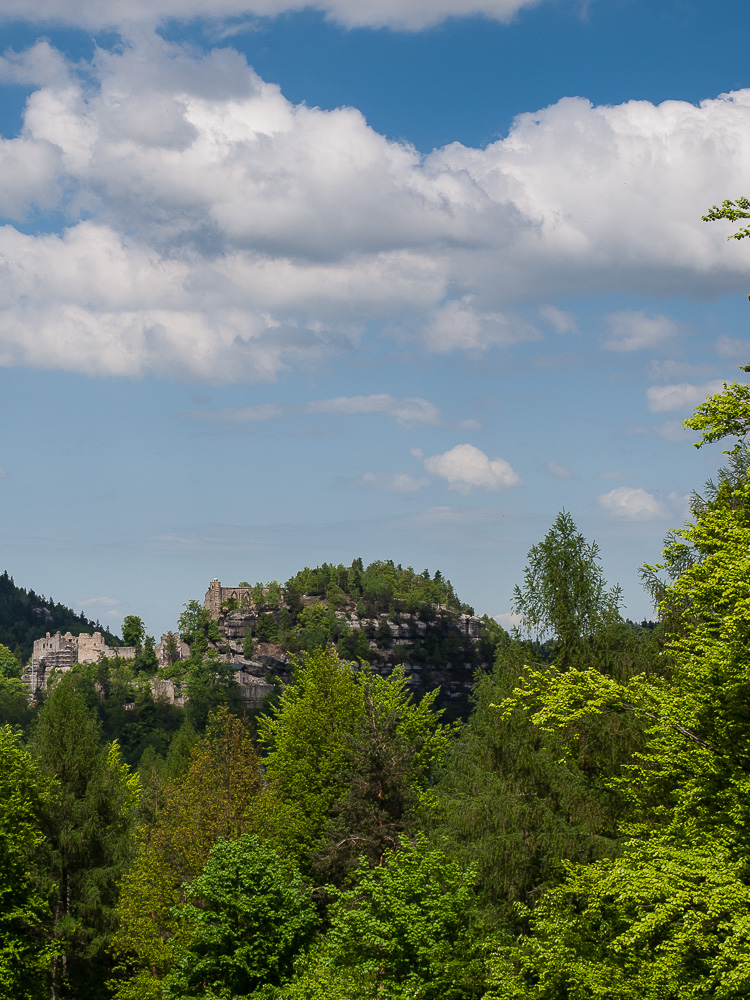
(26, 616)
(380, 587)
(382, 614)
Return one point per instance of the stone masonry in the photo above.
(57, 653)
(216, 595)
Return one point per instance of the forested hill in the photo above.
(26, 616)
(380, 587)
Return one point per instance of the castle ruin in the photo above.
(57, 653)
(216, 595)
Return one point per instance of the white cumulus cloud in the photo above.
(684, 396)
(466, 467)
(218, 232)
(632, 504)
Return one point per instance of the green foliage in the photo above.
(247, 645)
(732, 211)
(266, 629)
(517, 797)
(220, 795)
(393, 750)
(15, 709)
(9, 665)
(317, 627)
(380, 587)
(197, 627)
(133, 631)
(305, 741)
(564, 592)
(87, 824)
(404, 923)
(25, 954)
(146, 661)
(211, 683)
(664, 920)
(248, 914)
(725, 414)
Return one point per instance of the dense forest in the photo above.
(583, 833)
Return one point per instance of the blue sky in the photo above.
(282, 285)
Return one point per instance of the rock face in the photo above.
(436, 646)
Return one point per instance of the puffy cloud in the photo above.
(412, 16)
(218, 232)
(466, 467)
(632, 504)
(665, 398)
(406, 411)
(635, 331)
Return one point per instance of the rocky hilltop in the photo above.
(439, 644)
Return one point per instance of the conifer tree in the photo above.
(87, 825)
(393, 750)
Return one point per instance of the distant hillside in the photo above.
(26, 616)
(383, 614)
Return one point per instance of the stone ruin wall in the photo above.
(58, 653)
(216, 595)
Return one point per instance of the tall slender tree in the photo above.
(87, 825)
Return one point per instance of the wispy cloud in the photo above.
(242, 414)
(561, 322)
(559, 471)
(397, 482)
(407, 412)
(633, 330)
(412, 410)
(666, 398)
(733, 348)
(98, 602)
